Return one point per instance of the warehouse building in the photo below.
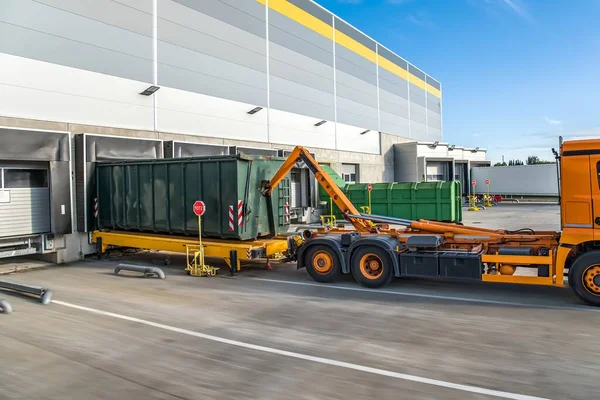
(86, 81)
(434, 161)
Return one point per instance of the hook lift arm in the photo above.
(337, 195)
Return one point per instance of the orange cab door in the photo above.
(595, 187)
(577, 193)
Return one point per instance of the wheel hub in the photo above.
(322, 262)
(591, 279)
(371, 266)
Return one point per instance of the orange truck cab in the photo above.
(579, 247)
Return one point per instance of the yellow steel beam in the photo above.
(527, 280)
(177, 244)
(516, 260)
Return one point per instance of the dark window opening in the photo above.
(25, 178)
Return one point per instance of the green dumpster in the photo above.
(436, 201)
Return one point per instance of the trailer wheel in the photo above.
(584, 277)
(322, 264)
(371, 266)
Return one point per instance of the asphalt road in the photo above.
(195, 338)
(279, 335)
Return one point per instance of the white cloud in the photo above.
(552, 121)
(421, 19)
(475, 134)
(518, 8)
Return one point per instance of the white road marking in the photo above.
(428, 296)
(300, 356)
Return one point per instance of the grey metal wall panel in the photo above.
(68, 26)
(247, 15)
(304, 71)
(393, 119)
(352, 113)
(296, 37)
(314, 10)
(357, 84)
(417, 95)
(141, 5)
(393, 83)
(234, 46)
(28, 212)
(300, 61)
(187, 70)
(292, 97)
(418, 114)
(537, 180)
(347, 92)
(357, 72)
(352, 63)
(354, 34)
(418, 131)
(109, 12)
(434, 134)
(218, 29)
(434, 121)
(433, 82)
(394, 104)
(416, 72)
(383, 52)
(44, 47)
(433, 103)
(285, 87)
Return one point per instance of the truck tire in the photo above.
(371, 266)
(584, 277)
(322, 264)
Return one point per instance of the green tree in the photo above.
(533, 160)
(515, 162)
(500, 164)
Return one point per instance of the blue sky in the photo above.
(516, 74)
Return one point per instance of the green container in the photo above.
(435, 201)
(157, 196)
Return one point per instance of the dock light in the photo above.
(255, 110)
(321, 122)
(434, 145)
(367, 131)
(475, 150)
(150, 91)
(451, 147)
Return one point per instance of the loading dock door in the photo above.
(24, 200)
(437, 171)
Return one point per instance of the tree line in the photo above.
(531, 160)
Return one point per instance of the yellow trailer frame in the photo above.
(216, 248)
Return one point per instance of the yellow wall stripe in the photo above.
(311, 22)
(300, 16)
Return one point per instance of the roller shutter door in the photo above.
(24, 201)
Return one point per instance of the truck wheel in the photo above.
(584, 277)
(322, 264)
(371, 266)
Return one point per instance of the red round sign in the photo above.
(474, 182)
(369, 187)
(199, 207)
(487, 181)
